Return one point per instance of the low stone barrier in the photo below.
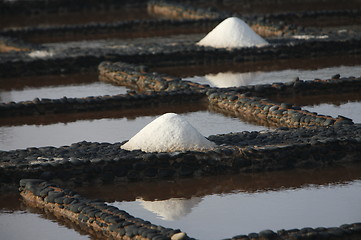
(334, 86)
(135, 77)
(275, 114)
(99, 103)
(85, 162)
(97, 216)
(236, 100)
(162, 54)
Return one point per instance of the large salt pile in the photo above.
(168, 133)
(232, 33)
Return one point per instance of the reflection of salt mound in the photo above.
(228, 79)
(171, 209)
(168, 133)
(232, 33)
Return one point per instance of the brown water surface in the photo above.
(55, 87)
(110, 129)
(224, 206)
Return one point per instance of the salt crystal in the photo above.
(168, 133)
(232, 33)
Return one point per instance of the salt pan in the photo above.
(232, 33)
(168, 133)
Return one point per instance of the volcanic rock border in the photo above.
(98, 218)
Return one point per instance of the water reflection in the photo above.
(171, 209)
(56, 86)
(227, 79)
(237, 79)
(55, 92)
(350, 109)
(110, 130)
(217, 216)
(227, 184)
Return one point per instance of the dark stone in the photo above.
(268, 234)
(47, 175)
(150, 172)
(186, 171)
(166, 173)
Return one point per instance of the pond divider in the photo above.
(237, 100)
(99, 218)
(86, 163)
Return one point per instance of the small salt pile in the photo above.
(168, 133)
(232, 33)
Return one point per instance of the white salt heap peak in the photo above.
(232, 33)
(168, 133)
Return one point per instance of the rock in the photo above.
(179, 236)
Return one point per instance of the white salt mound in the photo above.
(232, 33)
(168, 133)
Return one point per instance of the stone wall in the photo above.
(98, 218)
(237, 101)
(85, 162)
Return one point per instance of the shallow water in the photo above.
(55, 92)
(234, 79)
(225, 206)
(109, 130)
(210, 207)
(56, 86)
(218, 216)
(350, 110)
(23, 225)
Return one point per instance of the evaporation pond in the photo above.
(20, 222)
(226, 215)
(237, 79)
(55, 87)
(349, 109)
(23, 225)
(109, 130)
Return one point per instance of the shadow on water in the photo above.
(262, 66)
(129, 114)
(245, 183)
